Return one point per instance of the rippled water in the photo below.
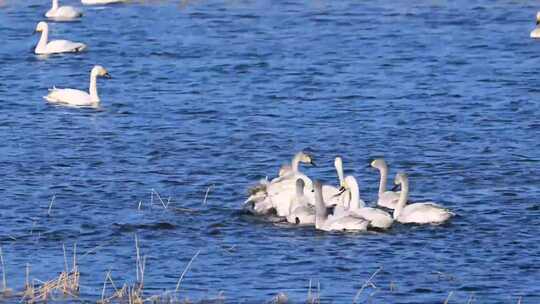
(222, 92)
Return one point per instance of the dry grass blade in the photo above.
(448, 298)
(67, 283)
(367, 283)
(159, 197)
(50, 205)
(206, 194)
(5, 290)
(185, 271)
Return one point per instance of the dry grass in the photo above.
(66, 284)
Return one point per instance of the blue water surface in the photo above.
(220, 93)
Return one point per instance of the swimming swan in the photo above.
(536, 32)
(386, 199)
(417, 213)
(277, 193)
(282, 189)
(63, 12)
(98, 2)
(325, 223)
(300, 211)
(77, 97)
(357, 207)
(55, 46)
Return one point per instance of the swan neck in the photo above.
(94, 97)
(404, 195)
(384, 177)
(54, 4)
(320, 208)
(339, 170)
(355, 198)
(43, 39)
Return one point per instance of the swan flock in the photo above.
(293, 197)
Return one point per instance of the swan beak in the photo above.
(396, 187)
(340, 191)
(107, 75)
(537, 22)
(313, 164)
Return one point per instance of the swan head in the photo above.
(401, 179)
(306, 158)
(338, 162)
(379, 163)
(41, 26)
(98, 70)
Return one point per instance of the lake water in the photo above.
(220, 93)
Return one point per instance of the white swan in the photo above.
(277, 193)
(56, 46)
(98, 2)
(536, 32)
(282, 189)
(77, 97)
(325, 223)
(386, 199)
(357, 207)
(417, 213)
(62, 13)
(300, 211)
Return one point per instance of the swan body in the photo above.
(377, 218)
(536, 32)
(62, 13)
(55, 46)
(326, 223)
(76, 97)
(386, 199)
(417, 213)
(98, 2)
(278, 193)
(300, 211)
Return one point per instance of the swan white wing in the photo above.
(69, 96)
(535, 33)
(283, 191)
(388, 199)
(302, 215)
(424, 213)
(63, 13)
(377, 217)
(347, 223)
(97, 2)
(63, 46)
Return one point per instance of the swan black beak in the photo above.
(396, 187)
(340, 191)
(107, 75)
(313, 164)
(537, 22)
